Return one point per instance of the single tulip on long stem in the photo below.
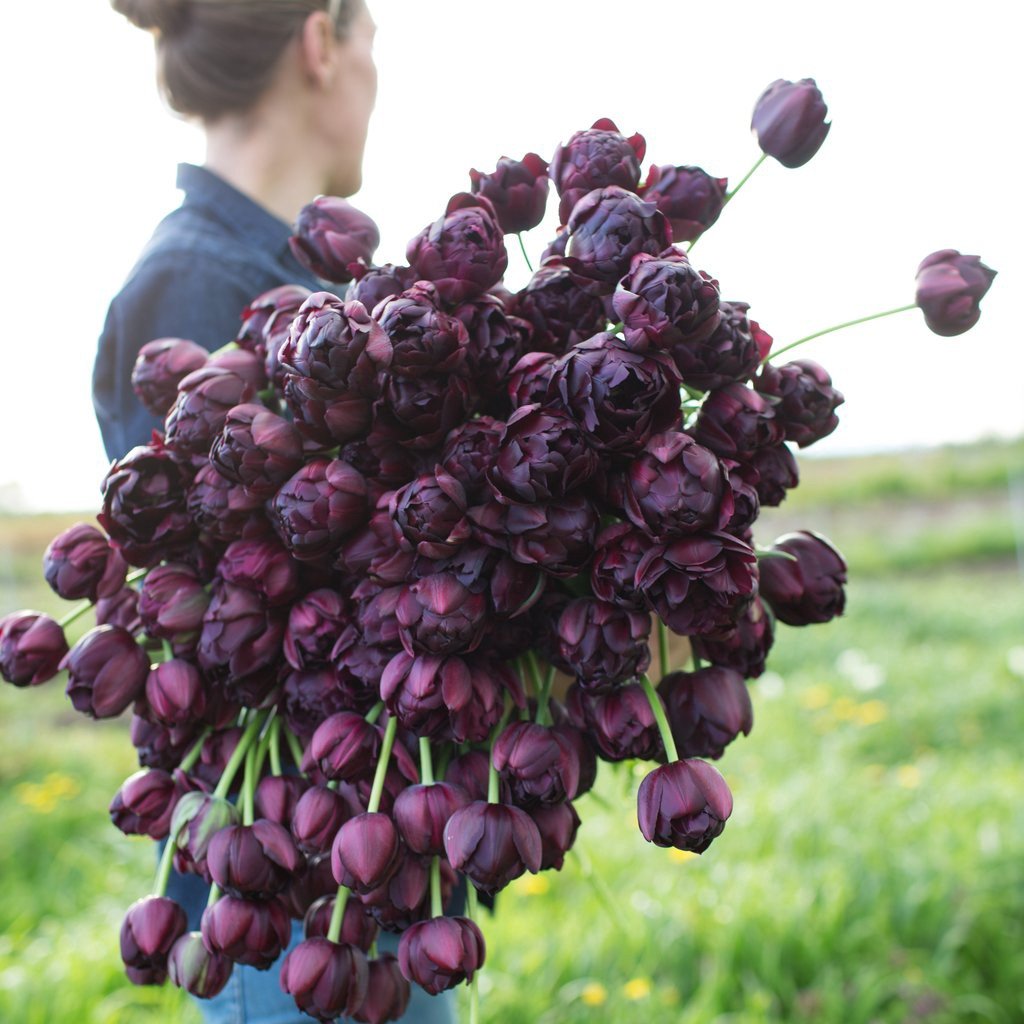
(836, 327)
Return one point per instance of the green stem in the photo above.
(237, 757)
(436, 907)
(663, 655)
(697, 663)
(426, 762)
(139, 574)
(214, 895)
(337, 914)
(294, 746)
(275, 747)
(249, 786)
(167, 649)
(522, 246)
(374, 713)
(76, 613)
(837, 327)
(541, 687)
(166, 865)
(493, 783)
(659, 716)
(473, 911)
(729, 195)
(382, 766)
(189, 760)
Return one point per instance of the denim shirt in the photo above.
(205, 262)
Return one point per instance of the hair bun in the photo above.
(163, 16)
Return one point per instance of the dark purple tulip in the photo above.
(257, 449)
(557, 824)
(192, 967)
(593, 159)
(266, 319)
(425, 341)
(689, 197)
(807, 587)
(197, 818)
(492, 844)
(604, 645)
(421, 813)
(144, 510)
(675, 486)
(358, 928)
(384, 461)
(517, 189)
(223, 511)
(251, 932)
(470, 773)
(375, 284)
(345, 747)
(277, 797)
(789, 121)
(160, 367)
(807, 402)
(217, 750)
(514, 588)
(730, 353)
(331, 235)
(172, 603)
(157, 746)
(32, 647)
(412, 689)
(441, 953)
(777, 473)
(540, 765)
(314, 624)
(439, 615)
(121, 609)
(561, 312)
(107, 670)
(175, 693)
(419, 413)
(742, 479)
(529, 380)
(262, 566)
(620, 723)
(462, 252)
(618, 551)
(246, 365)
(240, 636)
(469, 450)
(318, 815)
(428, 514)
(684, 804)
(474, 694)
(736, 421)
(323, 502)
(149, 931)
(618, 397)
(366, 852)
(204, 399)
(387, 994)
(664, 301)
(254, 861)
(698, 584)
(145, 802)
(309, 696)
(949, 288)
(324, 415)
(706, 710)
(496, 342)
(326, 979)
(80, 563)
(746, 648)
(608, 227)
(405, 897)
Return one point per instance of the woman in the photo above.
(283, 90)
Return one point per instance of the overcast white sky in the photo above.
(923, 154)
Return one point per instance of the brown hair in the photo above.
(217, 57)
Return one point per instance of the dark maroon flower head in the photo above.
(146, 800)
(277, 797)
(172, 603)
(804, 583)
(441, 953)
(267, 319)
(175, 693)
(618, 397)
(257, 449)
(736, 421)
(331, 235)
(315, 622)
(789, 121)
(529, 381)
(387, 994)
(250, 932)
(322, 503)
(604, 645)
(514, 588)
(949, 288)
(375, 284)
(561, 313)
(689, 197)
(474, 690)
(777, 473)
(540, 764)
(106, 670)
(620, 724)
(492, 844)
(326, 979)
(517, 189)
(699, 584)
(664, 301)
(197, 818)
(366, 852)
(157, 746)
(684, 804)
(324, 415)
(742, 479)
(463, 251)
(746, 648)
(470, 772)
(807, 402)
(730, 353)
(254, 861)
(32, 647)
(557, 824)
(421, 813)
(405, 897)
(438, 614)
(80, 563)
(619, 548)
(223, 511)
(245, 364)
(608, 227)
(144, 510)
(496, 342)
(192, 967)
(412, 689)
(262, 566)
(425, 340)
(345, 747)
(241, 636)
(160, 367)
(468, 452)
(120, 609)
(358, 928)
(149, 930)
(595, 158)
(419, 413)
(428, 514)
(318, 815)
(706, 710)
(197, 416)
(675, 486)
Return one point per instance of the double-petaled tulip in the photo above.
(620, 724)
(736, 421)
(32, 646)
(358, 928)
(949, 288)
(557, 825)
(172, 603)
(257, 449)
(528, 382)
(745, 648)
(266, 319)
(263, 566)
(421, 813)
(441, 953)
(331, 235)
(149, 931)
(254, 861)
(561, 312)
(539, 764)
(618, 550)
(250, 932)
(492, 844)
(518, 190)
(223, 511)
(326, 979)
(684, 804)
(345, 747)
(277, 796)
(468, 452)
(706, 709)
(438, 614)
(597, 157)
(146, 800)
(366, 852)
(777, 473)
(318, 815)
(197, 818)
(192, 967)
(315, 622)
(419, 412)
(80, 563)
(603, 644)
(804, 582)
(730, 353)
(375, 284)
(689, 197)
(405, 898)
(197, 416)
(789, 121)
(175, 693)
(160, 367)
(470, 772)
(664, 301)
(428, 514)
(463, 251)
(425, 341)
(496, 342)
(412, 687)
(106, 670)
(241, 635)
(806, 401)
(387, 994)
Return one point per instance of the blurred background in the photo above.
(873, 870)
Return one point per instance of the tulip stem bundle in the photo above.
(659, 716)
(542, 688)
(837, 327)
(249, 786)
(238, 756)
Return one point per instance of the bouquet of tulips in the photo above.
(339, 590)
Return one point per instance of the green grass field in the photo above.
(872, 871)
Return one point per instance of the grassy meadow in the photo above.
(872, 871)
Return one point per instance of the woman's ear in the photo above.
(317, 49)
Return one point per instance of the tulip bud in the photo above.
(540, 765)
(421, 813)
(318, 815)
(32, 648)
(366, 852)
(194, 968)
(172, 603)
(345, 747)
(706, 710)
(80, 563)
(146, 800)
(149, 930)
(254, 861)
(358, 928)
(330, 236)
(196, 820)
(949, 288)
(518, 190)
(492, 844)
(107, 671)
(683, 804)
(807, 402)
(248, 932)
(557, 825)
(789, 121)
(690, 198)
(441, 953)
(175, 693)
(277, 797)
(257, 449)
(807, 587)
(561, 313)
(160, 367)
(387, 994)
(746, 648)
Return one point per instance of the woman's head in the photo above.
(222, 59)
